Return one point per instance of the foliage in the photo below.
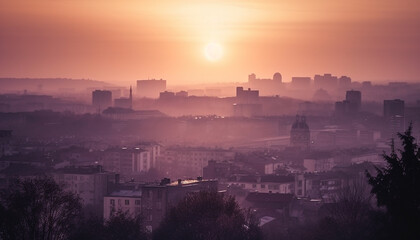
(119, 226)
(397, 187)
(208, 215)
(37, 209)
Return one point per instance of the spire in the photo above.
(131, 97)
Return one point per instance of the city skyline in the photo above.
(191, 42)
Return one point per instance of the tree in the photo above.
(208, 215)
(37, 209)
(349, 215)
(396, 187)
(119, 226)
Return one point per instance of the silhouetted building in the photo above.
(158, 199)
(101, 100)
(344, 82)
(327, 81)
(300, 134)
(266, 86)
(342, 108)
(354, 98)
(246, 96)
(301, 82)
(5, 138)
(124, 102)
(166, 95)
(150, 88)
(394, 117)
(366, 84)
(181, 94)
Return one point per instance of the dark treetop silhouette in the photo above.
(208, 215)
(397, 187)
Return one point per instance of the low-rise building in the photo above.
(128, 201)
(264, 184)
(189, 162)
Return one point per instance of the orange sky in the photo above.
(121, 41)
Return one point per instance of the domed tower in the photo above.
(277, 77)
(300, 134)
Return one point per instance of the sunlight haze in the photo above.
(121, 42)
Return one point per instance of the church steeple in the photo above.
(131, 97)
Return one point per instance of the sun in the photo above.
(213, 51)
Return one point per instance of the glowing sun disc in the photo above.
(213, 51)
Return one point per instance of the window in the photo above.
(127, 202)
(159, 194)
(254, 185)
(137, 202)
(112, 202)
(300, 183)
(262, 185)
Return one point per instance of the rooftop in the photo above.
(126, 193)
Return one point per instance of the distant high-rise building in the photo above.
(327, 81)
(101, 99)
(394, 117)
(150, 88)
(300, 134)
(344, 82)
(354, 98)
(266, 86)
(366, 84)
(301, 82)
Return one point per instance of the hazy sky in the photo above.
(121, 41)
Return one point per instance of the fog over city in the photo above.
(209, 120)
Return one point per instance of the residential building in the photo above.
(128, 201)
(90, 183)
(189, 162)
(264, 183)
